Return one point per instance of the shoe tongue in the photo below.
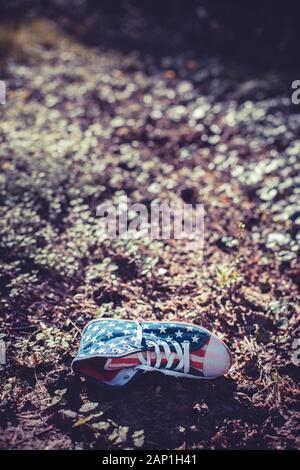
(122, 377)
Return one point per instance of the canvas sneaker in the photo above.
(113, 352)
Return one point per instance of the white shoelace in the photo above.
(182, 352)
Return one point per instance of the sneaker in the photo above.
(113, 352)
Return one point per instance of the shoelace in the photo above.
(182, 351)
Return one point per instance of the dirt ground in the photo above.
(83, 125)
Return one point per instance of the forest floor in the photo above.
(86, 125)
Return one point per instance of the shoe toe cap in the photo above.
(217, 359)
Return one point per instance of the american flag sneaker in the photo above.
(113, 352)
